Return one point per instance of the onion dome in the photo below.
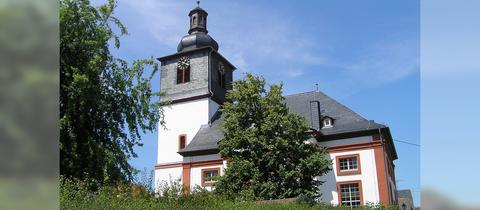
(197, 34)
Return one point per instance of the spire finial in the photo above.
(316, 86)
(198, 3)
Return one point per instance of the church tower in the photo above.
(195, 79)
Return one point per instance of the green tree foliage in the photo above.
(266, 145)
(105, 104)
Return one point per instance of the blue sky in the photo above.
(450, 44)
(365, 54)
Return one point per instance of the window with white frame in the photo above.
(348, 164)
(327, 122)
(350, 194)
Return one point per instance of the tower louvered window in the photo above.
(221, 75)
(183, 76)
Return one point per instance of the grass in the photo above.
(78, 195)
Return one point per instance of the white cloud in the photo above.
(266, 42)
(248, 36)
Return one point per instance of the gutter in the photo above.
(210, 92)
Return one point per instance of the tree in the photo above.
(104, 103)
(266, 146)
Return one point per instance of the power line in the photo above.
(406, 142)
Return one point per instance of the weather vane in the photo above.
(198, 3)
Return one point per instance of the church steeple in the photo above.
(197, 34)
(198, 20)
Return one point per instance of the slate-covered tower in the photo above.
(195, 79)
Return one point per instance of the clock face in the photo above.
(221, 68)
(183, 63)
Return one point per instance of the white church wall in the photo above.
(181, 118)
(166, 175)
(196, 175)
(368, 178)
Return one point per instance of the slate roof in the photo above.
(404, 194)
(196, 41)
(346, 120)
(206, 139)
(303, 104)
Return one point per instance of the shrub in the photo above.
(77, 194)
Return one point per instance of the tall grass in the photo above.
(77, 194)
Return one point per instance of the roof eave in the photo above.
(392, 145)
(189, 153)
(164, 58)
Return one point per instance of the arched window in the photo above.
(194, 20)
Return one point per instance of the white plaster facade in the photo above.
(368, 177)
(166, 176)
(196, 174)
(181, 118)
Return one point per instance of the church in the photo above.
(195, 79)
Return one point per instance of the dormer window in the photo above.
(327, 122)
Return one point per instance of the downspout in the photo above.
(209, 82)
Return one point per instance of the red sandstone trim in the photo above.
(350, 172)
(207, 163)
(352, 147)
(359, 182)
(186, 178)
(187, 170)
(168, 165)
(383, 190)
(180, 142)
(203, 176)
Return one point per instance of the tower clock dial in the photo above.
(183, 63)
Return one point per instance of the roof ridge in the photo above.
(295, 94)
